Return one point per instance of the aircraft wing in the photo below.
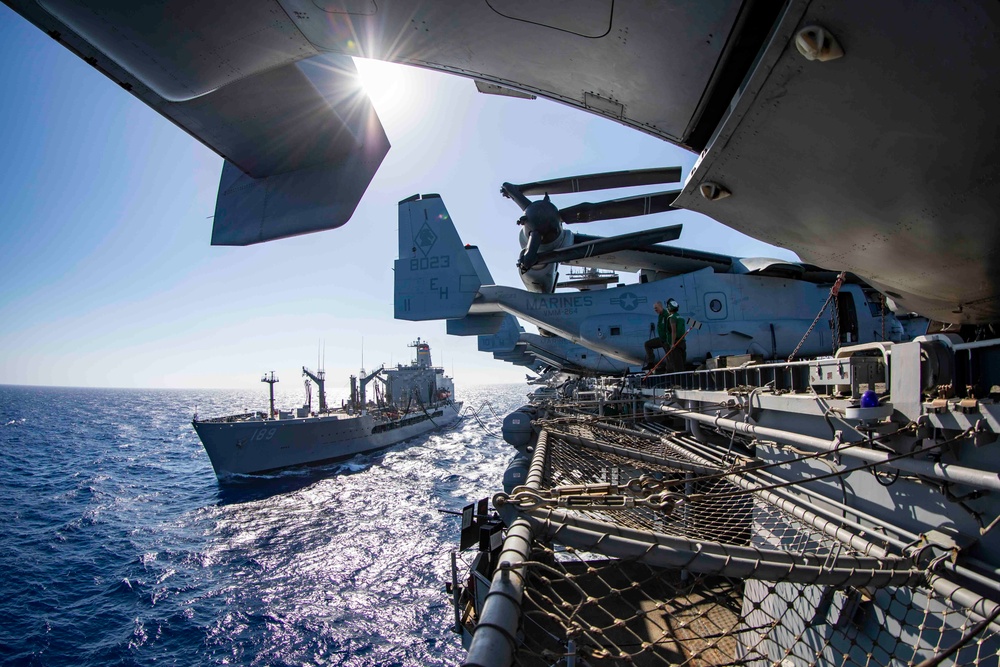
(270, 85)
(300, 138)
(882, 161)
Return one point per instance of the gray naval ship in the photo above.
(409, 401)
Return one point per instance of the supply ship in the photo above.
(408, 401)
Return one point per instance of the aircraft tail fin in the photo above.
(483, 271)
(481, 323)
(506, 344)
(435, 276)
(277, 179)
(505, 338)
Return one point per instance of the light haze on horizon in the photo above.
(109, 279)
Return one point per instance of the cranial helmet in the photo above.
(672, 305)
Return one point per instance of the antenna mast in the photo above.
(270, 380)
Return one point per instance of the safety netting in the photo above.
(653, 548)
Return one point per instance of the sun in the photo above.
(388, 85)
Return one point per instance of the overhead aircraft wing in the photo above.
(300, 138)
(863, 162)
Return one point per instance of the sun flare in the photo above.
(388, 85)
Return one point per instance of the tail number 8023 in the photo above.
(425, 263)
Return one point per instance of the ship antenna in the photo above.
(270, 380)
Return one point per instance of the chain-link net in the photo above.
(659, 550)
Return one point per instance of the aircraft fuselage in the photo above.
(740, 314)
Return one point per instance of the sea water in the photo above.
(119, 547)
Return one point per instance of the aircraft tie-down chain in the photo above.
(834, 291)
(645, 491)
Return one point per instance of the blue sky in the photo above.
(108, 278)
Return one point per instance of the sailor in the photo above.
(676, 345)
(660, 340)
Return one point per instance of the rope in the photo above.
(483, 426)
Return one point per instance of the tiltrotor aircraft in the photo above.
(763, 311)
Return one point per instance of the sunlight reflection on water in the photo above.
(123, 547)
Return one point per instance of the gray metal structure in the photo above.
(843, 531)
(868, 162)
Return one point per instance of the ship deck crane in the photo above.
(358, 398)
(319, 377)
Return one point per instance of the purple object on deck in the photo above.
(869, 399)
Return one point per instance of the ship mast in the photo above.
(270, 380)
(319, 377)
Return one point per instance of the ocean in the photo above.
(119, 547)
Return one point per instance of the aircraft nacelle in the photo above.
(542, 277)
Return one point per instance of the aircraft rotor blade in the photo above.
(604, 246)
(627, 207)
(605, 181)
(511, 191)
